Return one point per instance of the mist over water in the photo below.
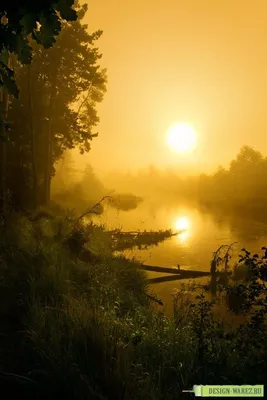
(202, 234)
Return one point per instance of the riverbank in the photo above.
(87, 329)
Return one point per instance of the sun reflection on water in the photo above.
(182, 224)
(183, 236)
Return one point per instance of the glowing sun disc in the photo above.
(182, 137)
(182, 224)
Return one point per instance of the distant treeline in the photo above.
(81, 190)
(241, 186)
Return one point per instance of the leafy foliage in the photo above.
(86, 330)
(7, 77)
(249, 292)
(240, 187)
(126, 201)
(23, 21)
(44, 122)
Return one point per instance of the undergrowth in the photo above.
(76, 327)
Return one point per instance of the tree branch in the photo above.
(92, 208)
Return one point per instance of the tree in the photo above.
(44, 120)
(246, 175)
(246, 159)
(21, 21)
(66, 173)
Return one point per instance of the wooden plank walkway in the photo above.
(174, 273)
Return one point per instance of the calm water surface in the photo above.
(203, 234)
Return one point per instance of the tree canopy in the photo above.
(56, 108)
(24, 21)
(60, 85)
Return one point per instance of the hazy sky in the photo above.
(202, 61)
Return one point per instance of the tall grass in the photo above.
(86, 330)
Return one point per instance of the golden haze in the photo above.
(202, 61)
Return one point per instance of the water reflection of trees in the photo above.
(247, 229)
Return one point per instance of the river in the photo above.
(203, 233)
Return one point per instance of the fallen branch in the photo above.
(92, 208)
(140, 233)
(154, 299)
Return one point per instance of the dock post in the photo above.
(213, 283)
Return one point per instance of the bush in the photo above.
(86, 330)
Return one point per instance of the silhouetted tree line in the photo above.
(80, 190)
(48, 96)
(76, 189)
(243, 185)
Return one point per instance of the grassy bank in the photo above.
(77, 323)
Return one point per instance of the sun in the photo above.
(182, 137)
(182, 223)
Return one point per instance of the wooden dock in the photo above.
(174, 273)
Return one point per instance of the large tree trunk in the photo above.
(3, 148)
(49, 146)
(3, 189)
(49, 164)
(33, 147)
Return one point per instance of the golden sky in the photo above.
(201, 61)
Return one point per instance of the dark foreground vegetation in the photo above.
(79, 323)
